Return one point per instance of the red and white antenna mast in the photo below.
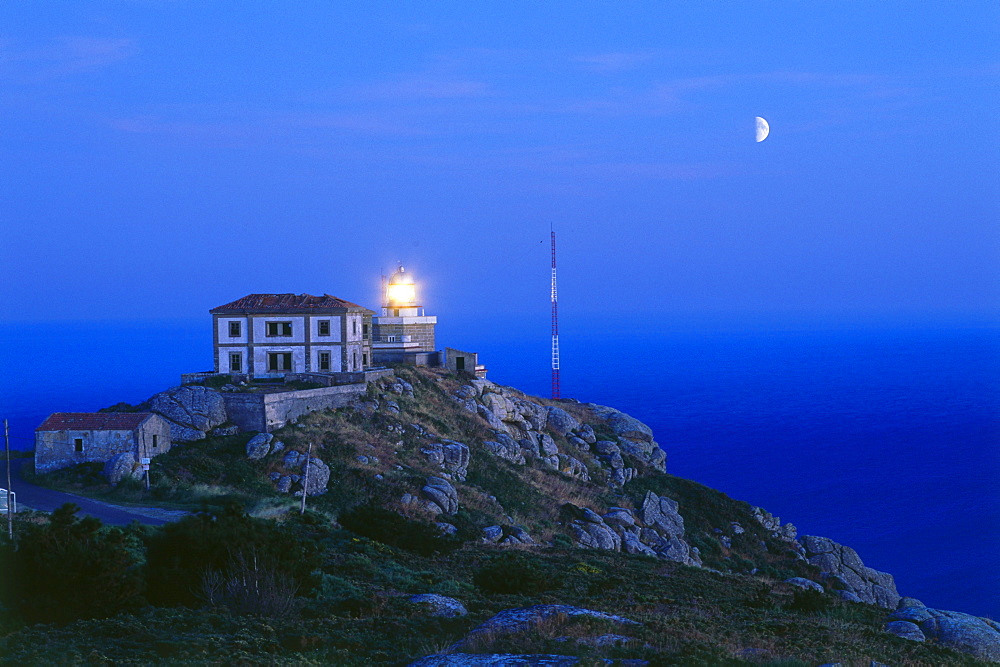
(555, 322)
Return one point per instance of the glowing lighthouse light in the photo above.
(401, 291)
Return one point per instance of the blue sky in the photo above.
(159, 158)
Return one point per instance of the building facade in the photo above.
(69, 438)
(403, 332)
(272, 335)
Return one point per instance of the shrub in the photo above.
(515, 572)
(181, 554)
(75, 568)
(809, 600)
(382, 525)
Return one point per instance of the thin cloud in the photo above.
(614, 62)
(63, 57)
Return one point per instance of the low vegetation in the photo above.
(247, 579)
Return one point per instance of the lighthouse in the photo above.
(403, 332)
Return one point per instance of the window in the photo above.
(279, 361)
(390, 339)
(78, 444)
(323, 328)
(156, 440)
(355, 323)
(234, 329)
(364, 330)
(395, 312)
(235, 362)
(324, 361)
(364, 359)
(279, 329)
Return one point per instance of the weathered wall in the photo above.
(286, 406)
(266, 412)
(55, 450)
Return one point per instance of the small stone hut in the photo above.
(68, 438)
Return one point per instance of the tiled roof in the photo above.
(94, 421)
(285, 303)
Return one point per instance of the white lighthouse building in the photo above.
(403, 333)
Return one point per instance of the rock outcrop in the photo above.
(122, 466)
(442, 496)
(979, 637)
(870, 585)
(440, 605)
(192, 411)
(514, 621)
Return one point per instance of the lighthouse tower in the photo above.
(403, 333)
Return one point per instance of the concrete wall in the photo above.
(55, 450)
(266, 412)
(451, 357)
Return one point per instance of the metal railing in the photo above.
(3, 501)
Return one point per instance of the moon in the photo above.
(763, 129)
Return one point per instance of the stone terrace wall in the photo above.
(266, 412)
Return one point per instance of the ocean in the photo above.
(886, 439)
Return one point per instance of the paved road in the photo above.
(40, 498)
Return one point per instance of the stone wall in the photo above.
(266, 412)
(55, 450)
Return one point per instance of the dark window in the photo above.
(279, 361)
(364, 359)
(234, 329)
(364, 329)
(279, 328)
(395, 312)
(324, 361)
(78, 444)
(460, 363)
(323, 327)
(235, 362)
(355, 323)
(156, 441)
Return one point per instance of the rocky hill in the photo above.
(492, 473)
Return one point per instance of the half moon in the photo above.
(763, 129)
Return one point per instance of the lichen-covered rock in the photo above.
(505, 448)
(440, 605)
(533, 414)
(293, 459)
(441, 494)
(627, 426)
(495, 422)
(122, 466)
(259, 446)
(497, 660)
(492, 534)
(591, 532)
(660, 512)
(872, 586)
(220, 431)
(805, 584)
(586, 433)
(517, 535)
(456, 458)
(191, 410)
(316, 475)
(905, 630)
(516, 621)
(979, 637)
(284, 484)
(561, 421)
(573, 467)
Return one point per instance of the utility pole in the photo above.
(10, 515)
(305, 478)
(144, 460)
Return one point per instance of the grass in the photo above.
(358, 613)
